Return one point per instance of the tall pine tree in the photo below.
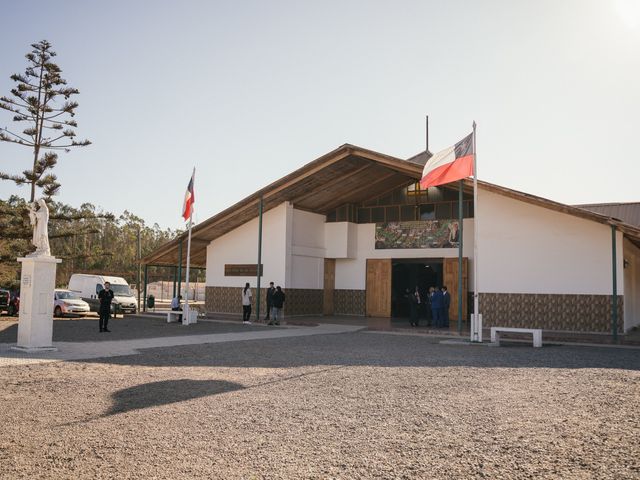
(42, 100)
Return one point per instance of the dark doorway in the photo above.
(406, 274)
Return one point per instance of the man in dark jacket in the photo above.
(278, 303)
(446, 301)
(270, 291)
(437, 302)
(105, 296)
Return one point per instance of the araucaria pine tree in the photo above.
(42, 100)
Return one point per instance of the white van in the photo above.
(87, 287)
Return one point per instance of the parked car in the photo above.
(65, 302)
(14, 305)
(88, 286)
(5, 299)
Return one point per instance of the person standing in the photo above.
(105, 296)
(246, 304)
(413, 307)
(436, 307)
(419, 303)
(446, 302)
(270, 291)
(175, 306)
(277, 305)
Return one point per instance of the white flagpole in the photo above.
(476, 323)
(185, 316)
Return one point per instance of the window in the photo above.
(364, 215)
(377, 214)
(427, 212)
(408, 213)
(392, 214)
(443, 211)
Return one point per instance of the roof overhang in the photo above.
(349, 174)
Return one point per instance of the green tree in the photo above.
(42, 100)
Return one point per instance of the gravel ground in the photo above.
(360, 405)
(127, 328)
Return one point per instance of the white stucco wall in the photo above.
(307, 250)
(240, 246)
(341, 239)
(523, 248)
(631, 255)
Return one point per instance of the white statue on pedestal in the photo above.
(39, 220)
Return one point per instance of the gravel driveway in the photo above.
(358, 405)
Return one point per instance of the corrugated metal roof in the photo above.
(627, 212)
(420, 158)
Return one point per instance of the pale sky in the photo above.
(248, 91)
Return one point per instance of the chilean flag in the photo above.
(189, 198)
(449, 165)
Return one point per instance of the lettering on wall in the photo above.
(242, 270)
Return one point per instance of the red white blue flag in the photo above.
(189, 198)
(449, 165)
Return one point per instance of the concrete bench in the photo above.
(536, 332)
(193, 316)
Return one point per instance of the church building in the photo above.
(350, 232)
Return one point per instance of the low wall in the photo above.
(349, 302)
(568, 312)
(299, 301)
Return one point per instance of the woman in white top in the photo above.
(246, 304)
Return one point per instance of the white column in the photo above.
(35, 324)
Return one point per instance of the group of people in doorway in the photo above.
(432, 305)
(275, 304)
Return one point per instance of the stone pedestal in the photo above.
(35, 325)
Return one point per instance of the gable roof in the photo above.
(348, 174)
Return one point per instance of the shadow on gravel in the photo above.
(373, 349)
(165, 392)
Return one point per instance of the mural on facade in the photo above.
(419, 234)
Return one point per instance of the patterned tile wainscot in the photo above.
(578, 313)
(349, 302)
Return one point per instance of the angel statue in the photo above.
(39, 220)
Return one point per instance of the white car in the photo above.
(65, 302)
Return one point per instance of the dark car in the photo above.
(5, 300)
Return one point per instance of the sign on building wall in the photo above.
(419, 234)
(242, 270)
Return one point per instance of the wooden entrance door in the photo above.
(451, 281)
(329, 285)
(379, 287)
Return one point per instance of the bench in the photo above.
(193, 316)
(536, 332)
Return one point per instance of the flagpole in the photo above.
(185, 316)
(476, 324)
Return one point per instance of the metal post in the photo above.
(259, 259)
(186, 318)
(614, 302)
(145, 287)
(139, 281)
(476, 324)
(175, 281)
(460, 289)
(180, 267)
